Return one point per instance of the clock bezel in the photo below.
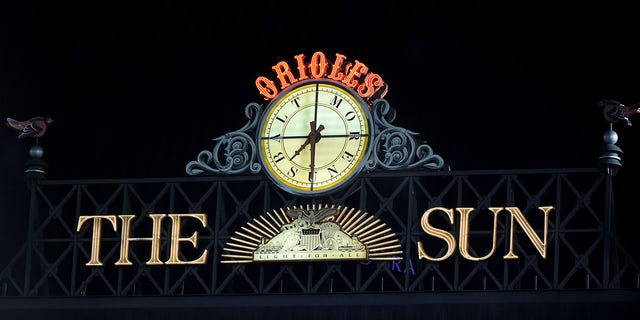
(278, 180)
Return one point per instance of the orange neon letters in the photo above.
(353, 75)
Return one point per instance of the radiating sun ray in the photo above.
(381, 242)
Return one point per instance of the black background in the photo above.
(137, 89)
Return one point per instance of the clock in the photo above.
(314, 137)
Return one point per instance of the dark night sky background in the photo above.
(137, 89)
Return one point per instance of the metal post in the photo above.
(412, 208)
(610, 162)
(608, 212)
(35, 171)
(556, 233)
(32, 212)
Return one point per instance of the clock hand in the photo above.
(306, 142)
(312, 164)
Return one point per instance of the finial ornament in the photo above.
(36, 127)
(32, 128)
(614, 111)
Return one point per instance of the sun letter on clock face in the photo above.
(314, 137)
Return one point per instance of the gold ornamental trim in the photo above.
(312, 233)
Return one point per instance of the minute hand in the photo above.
(312, 164)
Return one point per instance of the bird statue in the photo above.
(615, 111)
(32, 128)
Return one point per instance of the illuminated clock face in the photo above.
(314, 137)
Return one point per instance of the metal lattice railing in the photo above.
(582, 249)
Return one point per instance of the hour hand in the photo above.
(306, 142)
(311, 138)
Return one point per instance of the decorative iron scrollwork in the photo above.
(234, 152)
(396, 148)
